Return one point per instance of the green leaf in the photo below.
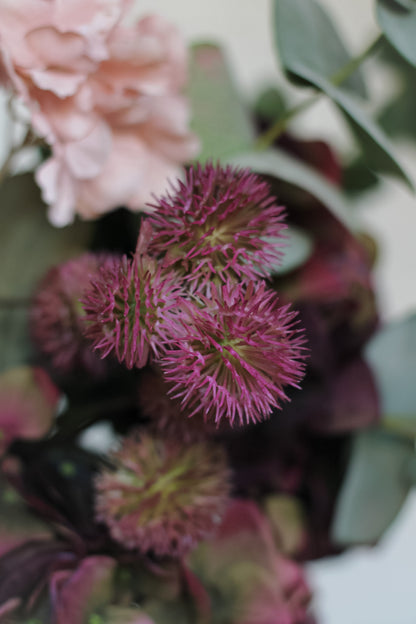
(405, 4)
(379, 153)
(398, 116)
(311, 51)
(297, 250)
(309, 45)
(270, 105)
(357, 178)
(278, 164)
(392, 356)
(219, 117)
(375, 487)
(29, 245)
(399, 25)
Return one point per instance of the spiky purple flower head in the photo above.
(56, 315)
(129, 308)
(220, 223)
(161, 495)
(236, 353)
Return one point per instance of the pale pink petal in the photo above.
(58, 190)
(86, 158)
(123, 172)
(51, 47)
(62, 83)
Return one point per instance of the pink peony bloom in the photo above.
(235, 354)
(162, 496)
(104, 96)
(220, 223)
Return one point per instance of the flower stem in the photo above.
(273, 133)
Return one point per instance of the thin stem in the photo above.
(273, 133)
(267, 138)
(345, 72)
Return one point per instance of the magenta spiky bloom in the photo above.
(56, 315)
(220, 223)
(236, 353)
(162, 496)
(129, 307)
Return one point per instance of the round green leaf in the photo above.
(306, 38)
(375, 487)
(405, 4)
(399, 25)
(297, 250)
(277, 163)
(219, 117)
(392, 356)
(376, 146)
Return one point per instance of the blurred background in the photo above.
(363, 586)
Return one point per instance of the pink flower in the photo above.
(106, 97)
(246, 573)
(162, 496)
(56, 315)
(129, 307)
(236, 353)
(220, 223)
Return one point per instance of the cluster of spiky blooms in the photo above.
(192, 299)
(220, 223)
(162, 496)
(236, 352)
(56, 315)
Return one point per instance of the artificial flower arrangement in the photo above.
(201, 294)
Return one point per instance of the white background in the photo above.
(364, 586)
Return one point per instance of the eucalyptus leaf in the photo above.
(297, 250)
(278, 164)
(29, 244)
(219, 116)
(399, 26)
(270, 105)
(309, 46)
(375, 487)
(405, 4)
(392, 355)
(398, 116)
(379, 153)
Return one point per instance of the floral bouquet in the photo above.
(197, 392)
